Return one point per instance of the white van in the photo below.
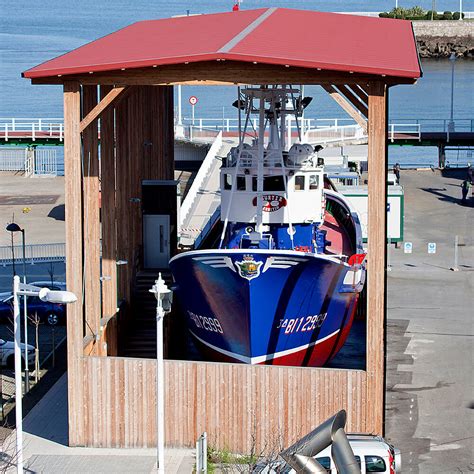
(372, 453)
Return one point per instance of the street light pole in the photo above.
(160, 411)
(18, 392)
(13, 227)
(164, 298)
(44, 294)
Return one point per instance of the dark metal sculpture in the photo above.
(300, 456)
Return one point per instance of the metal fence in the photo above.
(12, 159)
(34, 253)
(33, 162)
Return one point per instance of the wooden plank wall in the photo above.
(91, 219)
(145, 144)
(109, 230)
(238, 405)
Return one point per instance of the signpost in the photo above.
(193, 100)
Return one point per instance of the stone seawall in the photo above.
(438, 39)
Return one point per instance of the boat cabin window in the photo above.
(299, 183)
(228, 182)
(313, 182)
(240, 183)
(270, 183)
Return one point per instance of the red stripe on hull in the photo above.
(319, 356)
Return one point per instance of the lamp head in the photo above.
(59, 297)
(14, 227)
(162, 294)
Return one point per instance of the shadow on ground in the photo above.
(57, 213)
(401, 412)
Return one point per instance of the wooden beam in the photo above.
(108, 204)
(233, 72)
(376, 258)
(73, 206)
(92, 310)
(102, 106)
(353, 99)
(331, 90)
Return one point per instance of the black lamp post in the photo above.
(14, 227)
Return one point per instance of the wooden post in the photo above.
(376, 238)
(73, 200)
(109, 231)
(91, 217)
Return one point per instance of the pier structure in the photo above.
(126, 83)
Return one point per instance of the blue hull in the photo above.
(265, 307)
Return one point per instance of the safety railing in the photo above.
(34, 128)
(227, 124)
(198, 134)
(439, 125)
(404, 130)
(199, 179)
(467, 15)
(334, 134)
(34, 253)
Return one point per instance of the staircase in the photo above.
(141, 341)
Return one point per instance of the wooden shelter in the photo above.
(125, 80)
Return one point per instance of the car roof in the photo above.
(363, 447)
(47, 282)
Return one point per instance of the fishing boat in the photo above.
(281, 285)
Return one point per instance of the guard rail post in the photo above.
(201, 454)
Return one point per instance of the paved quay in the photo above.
(37, 205)
(430, 377)
(46, 451)
(430, 390)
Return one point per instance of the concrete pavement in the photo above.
(429, 396)
(37, 205)
(45, 446)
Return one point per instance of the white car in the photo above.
(7, 354)
(372, 453)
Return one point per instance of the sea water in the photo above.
(33, 32)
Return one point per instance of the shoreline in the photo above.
(440, 38)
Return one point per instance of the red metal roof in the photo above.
(309, 39)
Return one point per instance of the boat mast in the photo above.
(261, 151)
